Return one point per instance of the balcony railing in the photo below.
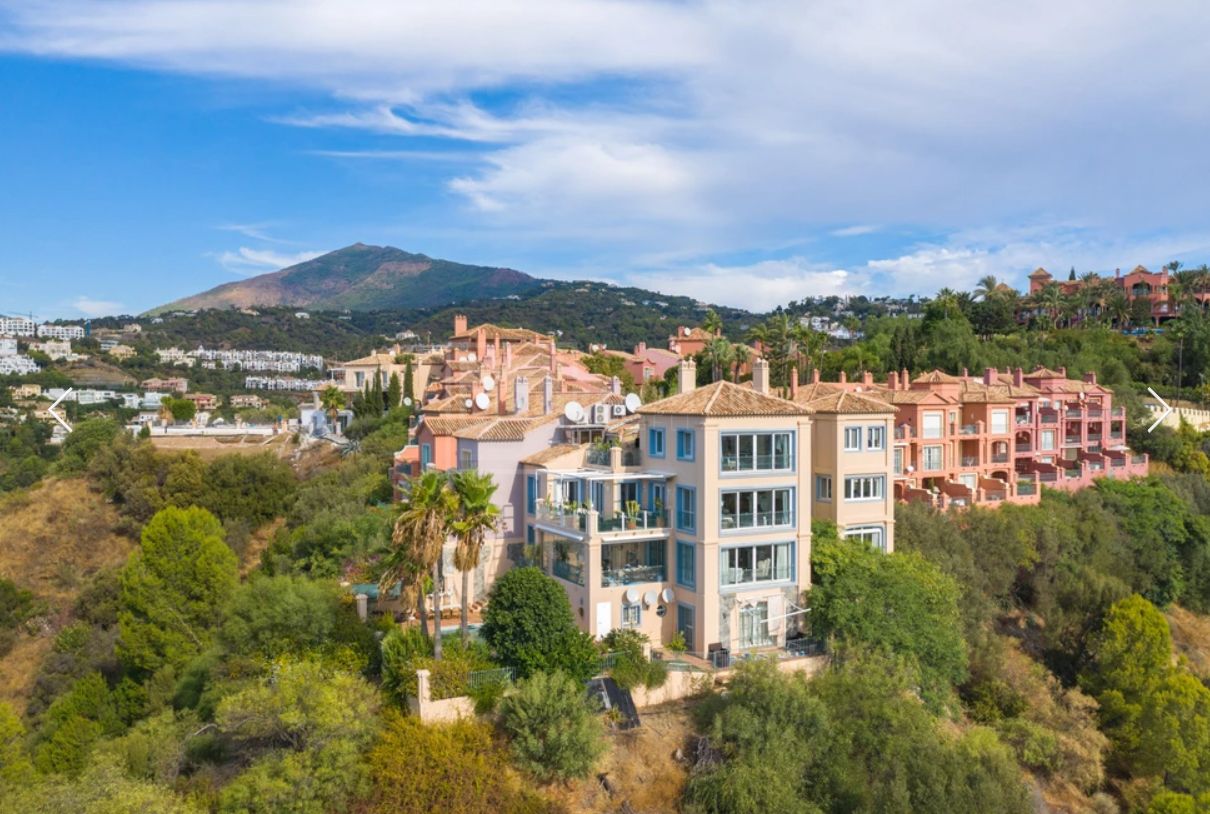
(752, 520)
(1024, 447)
(1115, 433)
(1026, 487)
(569, 572)
(1138, 459)
(1117, 462)
(1048, 477)
(1076, 414)
(901, 433)
(1024, 420)
(1071, 440)
(999, 457)
(632, 522)
(994, 496)
(1095, 412)
(969, 429)
(1072, 474)
(1118, 412)
(564, 517)
(970, 460)
(632, 575)
(1050, 418)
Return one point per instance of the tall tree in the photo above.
(712, 322)
(332, 401)
(420, 535)
(394, 392)
(474, 517)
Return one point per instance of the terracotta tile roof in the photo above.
(917, 396)
(545, 456)
(849, 404)
(814, 390)
(450, 424)
(503, 429)
(936, 377)
(695, 333)
(1044, 373)
(723, 399)
(504, 334)
(374, 359)
(1039, 272)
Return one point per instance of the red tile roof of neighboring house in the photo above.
(723, 399)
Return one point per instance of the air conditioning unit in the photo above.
(619, 409)
(600, 413)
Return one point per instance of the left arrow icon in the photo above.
(51, 411)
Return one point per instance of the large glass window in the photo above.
(1048, 439)
(874, 535)
(686, 564)
(823, 488)
(655, 442)
(531, 494)
(632, 563)
(999, 422)
(852, 439)
(864, 487)
(569, 561)
(686, 508)
(875, 437)
(757, 451)
(754, 508)
(754, 564)
(931, 458)
(685, 445)
(754, 626)
(931, 425)
(684, 623)
(898, 460)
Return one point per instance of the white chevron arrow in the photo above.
(51, 411)
(1163, 415)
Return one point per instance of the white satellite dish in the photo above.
(649, 598)
(632, 595)
(407, 401)
(482, 400)
(468, 403)
(633, 402)
(488, 382)
(668, 595)
(574, 412)
(686, 330)
(471, 357)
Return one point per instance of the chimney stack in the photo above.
(459, 324)
(814, 375)
(687, 376)
(640, 349)
(480, 344)
(615, 385)
(867, 377)
(554, 358)
(496, 351)
(794, 382)
(965, 373)
(508, 356)
(521, 395)
(1090, 377)
(989, 376)
(892, 381)
(548, 395)
(905, 381)
(1063, 372)
(1018, 377)
(844, 378)
(760, 375)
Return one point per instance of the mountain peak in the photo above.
(362, 277)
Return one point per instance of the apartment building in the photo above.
(174, 384)
(203, 401)
(645, 364)
(16, 326)
(1137, 284)
(241, 400)
(8, 346)
(49, 331)
(17, 365)
(56, 349)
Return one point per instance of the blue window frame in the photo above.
(530, 538)
(655, 442)
(686, 508)
(426, 456)
(686, 563)
(531, 494)
(684, 623)
(684, 445)
(656, 497)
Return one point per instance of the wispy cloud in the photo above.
(854, 231)
(91, 307)
(247, 261)
(256, 231)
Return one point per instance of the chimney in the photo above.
(965, 373)
(521, 395)
(844, 378)
(496, 351)
(1090, 377)
(1117, 273)
(760, 375)
(989, 376)
(508, 355)
(1018, 377)
(615, 385)
(867, 377)
(480, 344)
(892, 381)
(1063, 372)
(554, 357)
(814, 375)
(905, 381)
(459, 324)
(640, 349)
(794, 382)
(548, 395)
(687, 378)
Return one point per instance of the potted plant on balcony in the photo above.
(659, 513)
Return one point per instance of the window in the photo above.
(864, 487)
(852, 439)
(686, 562)
(931, 458)
(531, 494)
(359, 378)
(753, 564)
(756, 508)
(426, 456)
(931, 425)
(684, 445)
(757, 451)
(466, 459)
(684, 623)
(999, 422)
(632, 615)
(875, 437)
(754, 626)
(655, 442)
(686, 508)
(874, 535)
(656, 496)
(1048, 439)
(898, 461)
(823, 488)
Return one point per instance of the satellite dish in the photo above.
(668, 595)
(574, 412)
(468, 403)
(633, 402)
(407, 402)
(632, 595)
(471, 357)
(482, 400)
(649, 598)
(488, 382)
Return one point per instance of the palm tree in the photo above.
(420, 534)
(1051, 298)
(740, 354)
(332, 401)
(719, 354)
(474, 517)
(986, 287)
(712, 323)
(1117, 308)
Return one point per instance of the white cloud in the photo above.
(757, 287)
(256, 231)
(248, 261)
(90, 307)
(854, 231)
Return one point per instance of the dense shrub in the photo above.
(529, 626)
(553, 728)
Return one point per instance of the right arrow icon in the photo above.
(1163, 415)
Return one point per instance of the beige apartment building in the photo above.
(699, 520)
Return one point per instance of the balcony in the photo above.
(1024, 420)
(1026, 487)
(1072, 474)
(568, 518)
(1118, 412)
(1025, 447)
(1050, 417)
(598, 456)
(1071, 441)
(632, 563)
(1136, 458)
(969, 429)
(1117, 463)
(901, 433)
(1002, 457)
(1074, 414)
(970, 460)
(632, 522)
(1095, 412)
(1117, 434)
(569, 571)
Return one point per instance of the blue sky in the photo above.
(741, 153)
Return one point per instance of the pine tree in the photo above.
(408, 393)
(394, 392)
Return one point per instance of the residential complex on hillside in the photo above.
(1153, 287)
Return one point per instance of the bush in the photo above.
(405, 652)
(631, 668)
(529, 626)
(1035, 746)
(554, 730)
